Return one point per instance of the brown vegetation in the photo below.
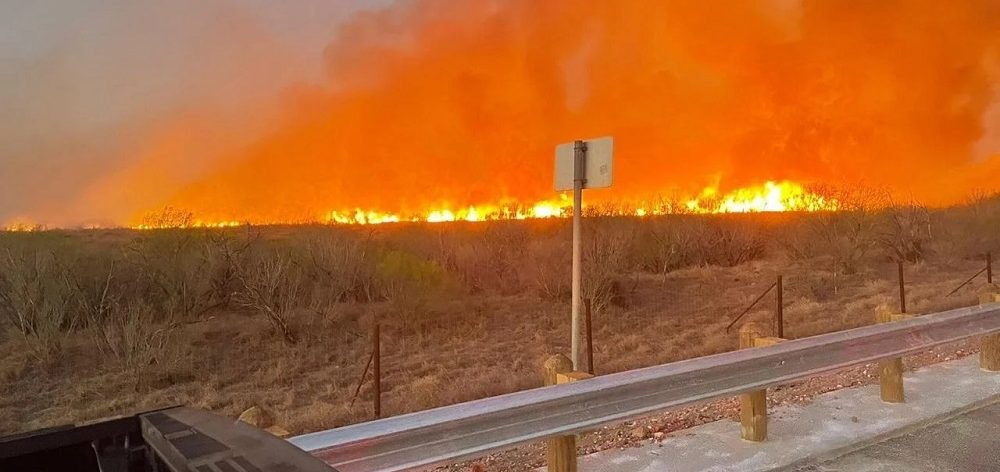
(105, 322)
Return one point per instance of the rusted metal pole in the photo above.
(967, 282)
(989, 267)
(747, 310)
(902, 289)
(590, 337)
(579, 179)
(779, 309)
(377, 371)
(361, 381)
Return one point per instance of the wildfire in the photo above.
(22, 227)
(193, 224)
(472, 213)
(781, 196)
(769, 197)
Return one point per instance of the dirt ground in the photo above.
(471, 348)
(466, 311)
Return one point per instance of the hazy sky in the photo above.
(270, 110)
(81, 79)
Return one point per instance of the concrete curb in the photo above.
(834, 424)
(910, 428)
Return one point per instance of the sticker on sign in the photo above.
(597, 164)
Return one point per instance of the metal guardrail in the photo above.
(478, 427)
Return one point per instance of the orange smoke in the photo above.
(450, 110)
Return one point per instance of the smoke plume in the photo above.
(445, 103)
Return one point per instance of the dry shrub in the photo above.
(663, 245)
(972, 230)
(606, 254)
(605, 248)
(551, 266)
(906, 232)
(36, 297)
(128, 335)
(502, 248)
(269, 286)
(728, 243)
(465, 260)
(342, 266)
(845, 240)
(487, 259)
(171, 265)
(224, 254)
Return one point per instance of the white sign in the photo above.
(597, 166)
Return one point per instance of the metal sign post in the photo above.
(579, 180)
(579, 165)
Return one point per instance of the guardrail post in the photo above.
(989, 348)
(890, 371)
(753, 405)
(560, 451)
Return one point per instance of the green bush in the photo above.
(408, 280)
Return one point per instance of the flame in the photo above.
(191, 225)
(770, 197)
(20, 225)
(471, 213)
(783, 196)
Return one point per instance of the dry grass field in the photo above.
(108, 322)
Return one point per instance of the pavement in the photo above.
(968, 442)
(844, 425)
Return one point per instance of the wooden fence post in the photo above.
(753, 405)
(989, 348)
(890, 371)
(559, 451)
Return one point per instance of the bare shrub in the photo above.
(503, 247)
(269, 286)
(487, 259)
(128, 335)
(971, 231)
(36, 298)
(847, 237)
(725, 244)
(172, 266)
(605, 257)
(906, 232)
(464, 258)
(606, 253)
(550, 266)
(224, 254)
(663, 245)
(343, 267)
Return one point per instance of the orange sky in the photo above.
(433, 103)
